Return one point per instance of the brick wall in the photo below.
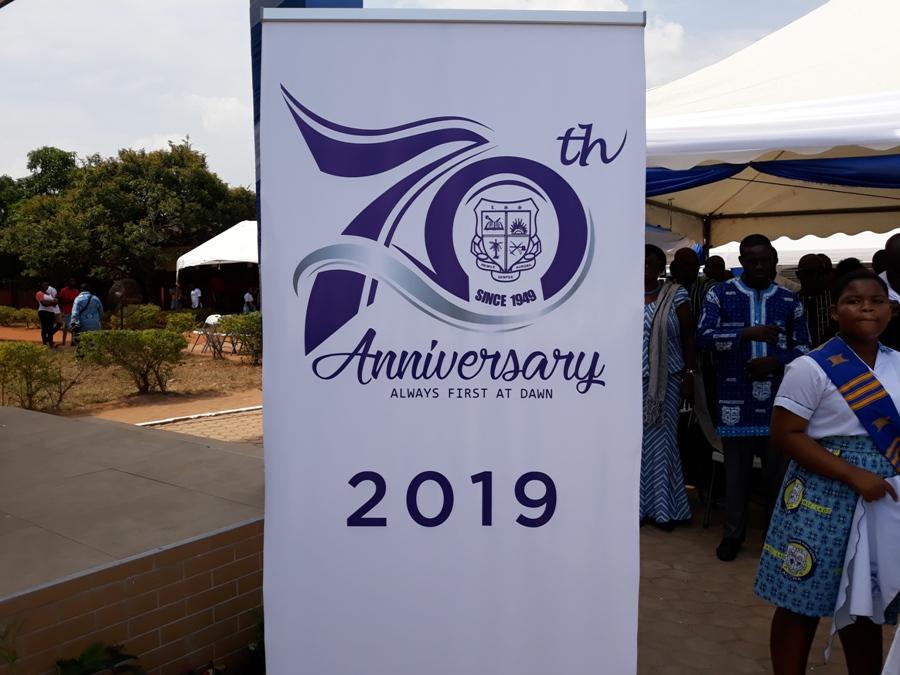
(177, 609)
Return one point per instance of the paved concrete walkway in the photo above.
(76, 494)
(243, 427)
(697, 615)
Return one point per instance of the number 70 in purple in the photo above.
(546, 501)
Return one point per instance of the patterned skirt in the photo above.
(803, 558)
(663, 495)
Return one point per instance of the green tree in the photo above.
(10, 193)
(125, 216)
(52, 171)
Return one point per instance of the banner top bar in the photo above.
(282, 14)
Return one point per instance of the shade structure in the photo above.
(824, 86)
(837, 247)
(667, 240)
(237, 244)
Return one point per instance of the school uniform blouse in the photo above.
(809, 393)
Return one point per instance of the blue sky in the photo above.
(95, 76)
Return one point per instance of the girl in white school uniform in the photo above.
(835, 416)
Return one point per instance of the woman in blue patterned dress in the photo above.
(668, 377)
(834, 461)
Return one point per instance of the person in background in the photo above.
(668, 369)
(891, 273)
(175, 297)
(847, 265)
(249, 304)
(891, 276)
(685, 271)
(879, 261)
(834, 417)
(87, 313)
(715, 269)
(696, 430)
(67, 295)
(830, 278)
(48, 310)
(781, 280)
(816, 299)
(196, 294)
(755, 328)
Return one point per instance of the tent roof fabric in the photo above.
(237, 244)
(826, 85)
(837, 247)
(828, 79)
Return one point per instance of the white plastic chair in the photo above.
(206, 332)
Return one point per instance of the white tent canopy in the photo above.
(237, 244)
(837, 247)
(667, 240)
(826, 85)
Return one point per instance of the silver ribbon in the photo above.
(375, 260)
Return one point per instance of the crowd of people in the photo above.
(178, 299)
(73, 310)
(803, 377)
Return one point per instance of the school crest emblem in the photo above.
(731, 415)
(793, 494)
(799, 561)
(762, 390)
(506, 241)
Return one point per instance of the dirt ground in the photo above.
(154, 407)
(23, 334)
(198, 384)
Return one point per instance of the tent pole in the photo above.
(707, 235)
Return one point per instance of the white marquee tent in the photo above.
(837, 247)
(826, 85)
(237, 244)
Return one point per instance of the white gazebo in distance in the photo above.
(237, 244)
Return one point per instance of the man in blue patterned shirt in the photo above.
(754, 328)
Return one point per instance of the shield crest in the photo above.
(762, 390)
(731, 415)
(506, 240)
(799, 561)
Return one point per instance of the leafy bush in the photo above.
(247, 330)
(141, 317)
(100, 658)
(7, 315)
(180, 322)
(32, 378)
(28, 317)
(147, 356)
(256, 650)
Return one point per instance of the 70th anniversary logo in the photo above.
(528, 247)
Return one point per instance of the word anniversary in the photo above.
(437, 364)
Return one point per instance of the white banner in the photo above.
(452, 261)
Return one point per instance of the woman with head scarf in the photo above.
(668, 370)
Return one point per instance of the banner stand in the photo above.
(452, 252)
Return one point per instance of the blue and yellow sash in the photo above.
(864, 394)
